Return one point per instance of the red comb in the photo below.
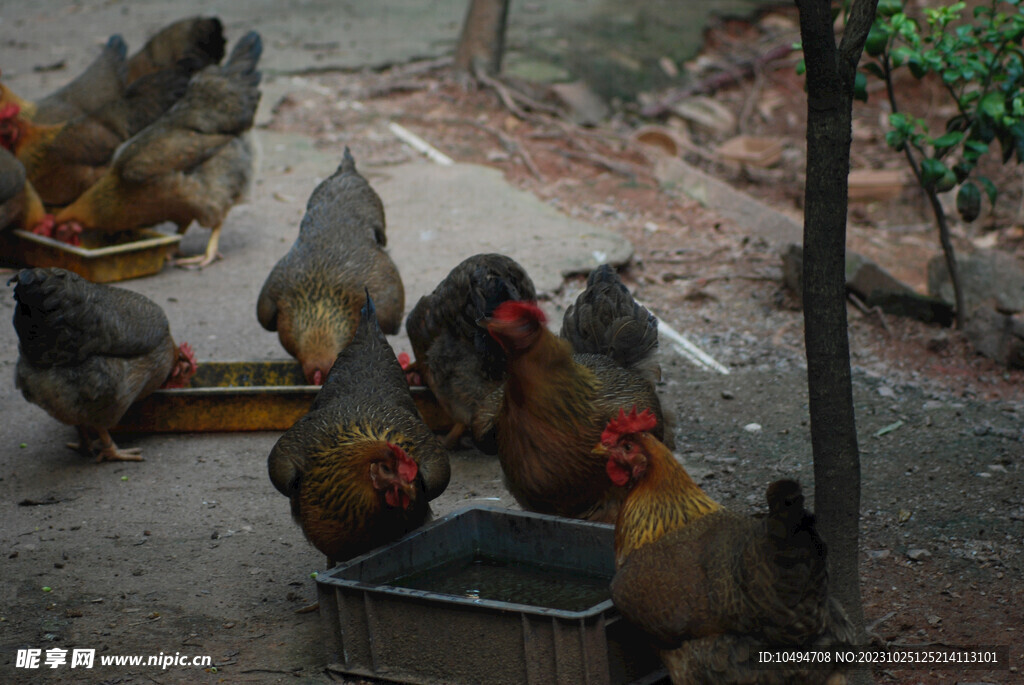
(406, 467)
(403, 360)
(187, 351)
(624, 424)
(11, 109)
(511, 310)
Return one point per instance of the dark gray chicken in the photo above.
(87, 351)
(313, 295)
(461, 363)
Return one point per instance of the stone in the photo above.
(864, 277)
(999, 337)
(987, 277)
(586, 107)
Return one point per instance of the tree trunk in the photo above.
(830, 80)
(482, 41)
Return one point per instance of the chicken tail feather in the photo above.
(605, 319)
(245, 55)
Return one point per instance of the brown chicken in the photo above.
(556, 403)
(193, 163)
(20, 206)
(100, 82)
(198, 39)
(362, 465)
(313, 295)
(458, 360)
(87, 351)
(711, 586)
(63, 160)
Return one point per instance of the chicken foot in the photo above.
(452, 439)
(103, 447)
(208, 257)
(315, 606)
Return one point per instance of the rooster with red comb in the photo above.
(561, 393)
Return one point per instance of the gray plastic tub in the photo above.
(372, 628)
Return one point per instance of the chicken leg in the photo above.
(103, 447)
(208, 257)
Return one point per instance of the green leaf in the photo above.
(932, 170)
(993, 104)
(968, 202)
(962, 171)
(801, 67)
(860, 87)
(887, 8)
(948, 140)
(877, 40)
(873, 69)
(901, 54)
(917, 67)
(976, 148)
(990, 188)
(896, 139)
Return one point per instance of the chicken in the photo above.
(361, 466)
(711, 586)
(193, 163)
(88, 351)
(20, 206)
(458, 360)
(63, 160)
(556, 403)
(100, 82)
(313, 295)
(199, 39)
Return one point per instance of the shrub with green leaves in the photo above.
(980, 63)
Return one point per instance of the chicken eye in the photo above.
(385, 469)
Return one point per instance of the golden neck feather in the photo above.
(664, 499)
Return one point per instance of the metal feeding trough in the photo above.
(101, 258)
(243, 396)
(485, 596)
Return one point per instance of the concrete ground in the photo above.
(193, 551)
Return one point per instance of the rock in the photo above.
(792, 268)
(987, 277)
(752, 428)
(586, 107)
(912, 306)
(706, 113)
(875, 286)
(878, 554)
(864, 277)
(940, 341)
(918, 554)
(999, 337)
(886, 391)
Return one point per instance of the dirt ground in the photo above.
(89, 561)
